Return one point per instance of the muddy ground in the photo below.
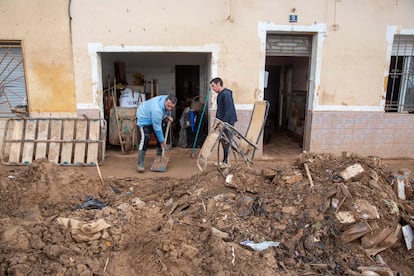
(60, 221)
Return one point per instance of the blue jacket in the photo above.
(226, 111)
(151, 113)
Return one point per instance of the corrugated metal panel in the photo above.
(288, 45)
(403, 45)
(12, 79)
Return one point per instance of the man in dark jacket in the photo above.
(226, 112)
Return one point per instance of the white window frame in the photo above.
(406, 52)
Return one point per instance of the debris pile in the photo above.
(320, 214)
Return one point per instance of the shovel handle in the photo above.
(167, 131)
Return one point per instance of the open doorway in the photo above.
(287, 69)
(191, 130)
(153, 73)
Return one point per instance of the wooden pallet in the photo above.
(64, 141)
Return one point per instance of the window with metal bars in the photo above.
(400, 88)
(13, 96)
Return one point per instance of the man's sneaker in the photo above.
(222, 165)
(140, 169)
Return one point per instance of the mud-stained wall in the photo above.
(44, 31)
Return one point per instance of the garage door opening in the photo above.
(141, 76)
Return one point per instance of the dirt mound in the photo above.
(58, 220)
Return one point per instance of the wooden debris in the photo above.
(308, 174)
(340, 204)
(375, 251)
(355, 231)
(291, 179)
(381, 270)
(389, 241)
(99, 173)
(371, 240)
(393, 237)
(345, 190)
(268, 173)
(220, 234)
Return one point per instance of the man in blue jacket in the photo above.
(150, 115)
(226, 112)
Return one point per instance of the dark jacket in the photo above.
(226, 111)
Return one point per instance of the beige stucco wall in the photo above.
(352, 60)
(354, 47)
(43, 28)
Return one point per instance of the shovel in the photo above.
(161, 162)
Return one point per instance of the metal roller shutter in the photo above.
(288, 45)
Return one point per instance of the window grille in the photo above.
(400, 88)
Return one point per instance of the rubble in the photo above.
(199, 225)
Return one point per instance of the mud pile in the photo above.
(306, 218)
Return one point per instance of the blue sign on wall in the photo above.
(293, 18)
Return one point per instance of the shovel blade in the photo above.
(160, 164)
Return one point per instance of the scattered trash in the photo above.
(335, 202)
(345, 217)
(91, 203)
(12, 177)
(83, 231)
(229, 178)
(169, 202)
(259, 246)
(351, 171)
(392, 207)
(365, 209)
(137, 202)
(408, 236)
(400, 187)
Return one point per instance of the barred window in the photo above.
(400, 89)
(13, 96)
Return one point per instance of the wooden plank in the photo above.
(28, 147)
(79, 156)
(8, 136)
(55, 134)
(42, 134)
(67, 146)
(94, 129)
(15, 147)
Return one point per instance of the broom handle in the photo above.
(201, 120)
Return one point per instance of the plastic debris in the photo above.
(259, 246)
(408, 236)
(91, 203)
